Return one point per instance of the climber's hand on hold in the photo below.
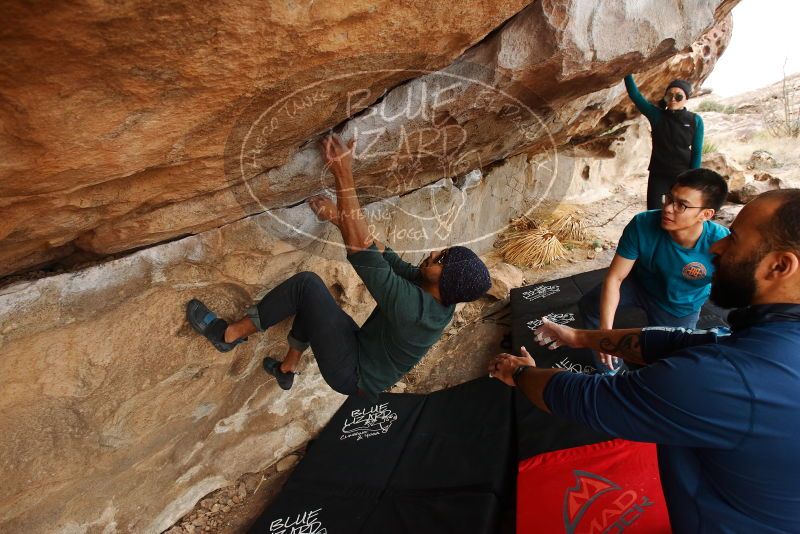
(338, 156)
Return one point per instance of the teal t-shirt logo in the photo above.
(694, 271)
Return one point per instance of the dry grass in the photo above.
(524, 223)
(569, 227)
(531, 248)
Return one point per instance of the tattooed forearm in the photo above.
(626, 346)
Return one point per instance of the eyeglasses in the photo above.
(680, 207)
(677, 97)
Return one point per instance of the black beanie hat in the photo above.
(464, 277)
(685, 86)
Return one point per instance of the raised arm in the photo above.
(349, 218)
(697, 143)
(647, 109)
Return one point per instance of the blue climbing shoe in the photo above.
(273, 367)
(207, 324)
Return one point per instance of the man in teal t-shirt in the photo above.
(667, 254)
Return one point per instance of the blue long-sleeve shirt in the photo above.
(655, 114)
(725, 413)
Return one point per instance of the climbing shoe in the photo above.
(273, 367)
(208, 325)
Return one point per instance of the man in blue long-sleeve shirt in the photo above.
(722, 407)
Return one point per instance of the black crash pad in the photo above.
(443, 462)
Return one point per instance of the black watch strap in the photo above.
(518, 371)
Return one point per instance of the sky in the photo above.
(765, 33)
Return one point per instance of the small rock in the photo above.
(761, 159)
(727, 214)
(764, 177)
(189, 528)
(215, 508)
(598, 249)
(241, 491)
(504, 278)
(287, 463)
(398, 388)
(226, 508)
(237, 499)
(207, 503)
(752, 189)
(252, 481)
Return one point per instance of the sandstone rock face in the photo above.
(121, 110)
(114, 415)
(128, 127)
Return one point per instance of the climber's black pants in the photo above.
(318, 322)
(658, 185)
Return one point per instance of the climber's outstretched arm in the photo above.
(349, 217)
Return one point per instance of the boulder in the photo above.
(130, 126)
(727, 167)
(761, 160)
(505, 277)
(136, 125)
(753, 188)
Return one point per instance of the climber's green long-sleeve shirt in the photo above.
(405, 323)
(677, 135)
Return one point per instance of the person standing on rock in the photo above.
(677, 135)
(414, 304)
(722, 406)
(663, 262)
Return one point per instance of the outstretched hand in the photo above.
(502, 366)
(338, 156)
(553, 335)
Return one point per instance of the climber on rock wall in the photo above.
(677, 137)
(414, 304)
(663, 263)
(721, 405)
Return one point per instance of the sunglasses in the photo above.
(438, 261)
(677, 97)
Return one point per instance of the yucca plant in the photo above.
(536, 247)
(569, 227)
